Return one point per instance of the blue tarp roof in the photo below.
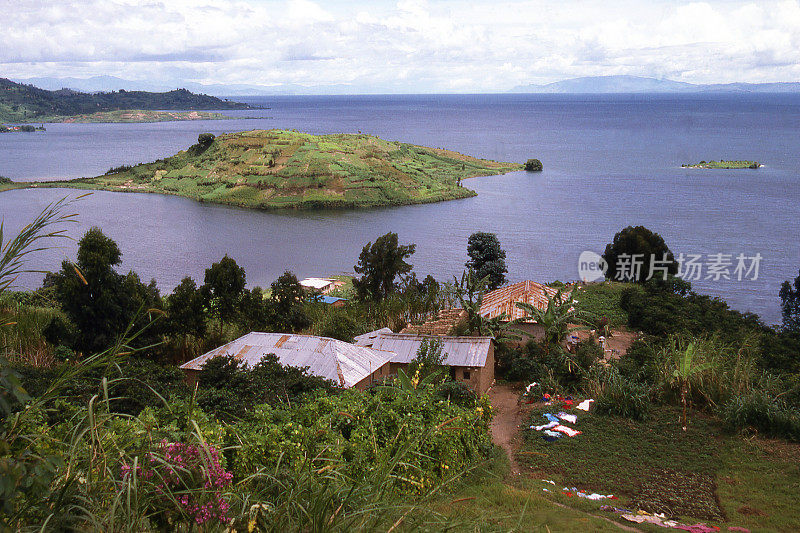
(331, 299)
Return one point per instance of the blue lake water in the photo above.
(610, 161)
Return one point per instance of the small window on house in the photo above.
(466, 374)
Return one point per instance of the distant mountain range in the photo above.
(23, 102)
(636, 84)
(586, 85)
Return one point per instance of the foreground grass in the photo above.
(702, 474)
(287, 169)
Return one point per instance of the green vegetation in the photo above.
(116, 440)
(602, 300)
(487, 259)
(533, 165)
(724, 164)
(637, 254)
(379, 264)
(26, 103)
(286, 169)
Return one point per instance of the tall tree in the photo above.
(186, 312)
(379, 264)
(790, 305)
(487, 259)
(287, 304)
(101, 302)
(223, 289)
(635, 253)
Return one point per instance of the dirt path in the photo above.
(505, 425)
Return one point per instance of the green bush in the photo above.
(230, 390)
(562, 370)
(205, 139)
(533, 165)
(457, 393)
(761, 411)
(339, 325)
(622, 397)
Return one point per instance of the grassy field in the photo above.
(286, 169)
(602, 300)
(703, 474)
(137, 115)
(724, 164)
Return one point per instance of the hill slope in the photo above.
(280, 169)
(19, 103)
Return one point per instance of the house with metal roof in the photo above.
(346, 364)
(470, 359)
(503, 301)
(322, 285)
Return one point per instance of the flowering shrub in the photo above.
(189, 475)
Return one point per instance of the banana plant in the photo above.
(685, 369)
(555, 318)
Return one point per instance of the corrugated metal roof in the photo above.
(367, 339)
(459, 351)
(503, 300)
(317, 283)
(342, 362)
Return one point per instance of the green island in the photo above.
(724, 164)
(272, 169)
(20, 103)
(137, 115)
(25, 128)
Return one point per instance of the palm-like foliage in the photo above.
(685, 368)
(556, 318)
(469, 291)
(13, 253)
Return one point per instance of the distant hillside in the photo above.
(21, 103)
(286, 169)
(635, 84)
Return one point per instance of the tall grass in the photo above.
(25, 342)
(725, 370)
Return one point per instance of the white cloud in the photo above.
(449, 45)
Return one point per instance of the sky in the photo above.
(406, 46)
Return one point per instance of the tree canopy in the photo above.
(223, 288)
(379, 264)
(185, 310)
(638, 254)
(790, 305)
(101, 302)
(487, 259)
(533, 165)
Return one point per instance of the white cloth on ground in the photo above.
(584, 405)
(568, 417)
